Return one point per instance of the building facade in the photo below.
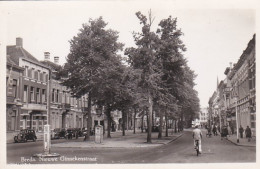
(236, 99)
(203, 116)
(33, 87)
(14, 75)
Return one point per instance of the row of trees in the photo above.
(155, 78)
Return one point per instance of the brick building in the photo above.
(33, 87)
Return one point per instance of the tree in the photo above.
(144, 58)
(91, 54)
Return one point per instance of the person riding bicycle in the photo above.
(197, 135)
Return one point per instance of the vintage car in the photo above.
(58, 133)
(55, 133)
(25, 135)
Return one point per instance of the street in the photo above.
(214, 150)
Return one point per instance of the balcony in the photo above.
(84, 109)
(66, 106)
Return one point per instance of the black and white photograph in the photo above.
(152, 83)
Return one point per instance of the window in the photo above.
(57, 96)
(62, 99)
(32, 94)
(14, 88)
(39, 75)
(44, 77)
(26, 71)
(43, 96)
(33, 74)
(47, 78)
(36, 74)
(38, 96)
(52, 95)
(30, 73)
(25, 93)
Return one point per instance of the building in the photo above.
(242, 78)
(203, 116)
(234, 101)
(14, 75)
(32, 86)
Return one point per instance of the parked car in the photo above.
(25, 135)
(69, 133)
(56, 133)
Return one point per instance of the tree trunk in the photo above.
(150, 113)
(142, 125)
(181, 125)
(166, 121)
(134, 119)
(123, 124)
(126, 121)
(153, 118)
(160, 128)
(175, 127)
(108, 122)
(89, 120)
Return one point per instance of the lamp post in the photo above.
(47, 134)
(237, 119)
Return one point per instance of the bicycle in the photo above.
(197, 147)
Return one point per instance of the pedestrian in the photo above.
(248, 133)
(218, 129)
(214, 130)
(232, 129)
(229, 130)
(241, 130)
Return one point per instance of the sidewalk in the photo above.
(130, 140)
(242, 141)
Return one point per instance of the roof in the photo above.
(16, 52)
(11, 63)
(52, 65)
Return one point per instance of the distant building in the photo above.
(203, 116)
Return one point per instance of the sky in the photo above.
(214, 35)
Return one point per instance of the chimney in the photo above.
(56, 59)
(19, 42)
(47, 56)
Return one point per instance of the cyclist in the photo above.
(197, 135)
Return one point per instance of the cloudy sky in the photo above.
(214, 34)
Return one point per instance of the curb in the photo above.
(241, 144)
(174, 139)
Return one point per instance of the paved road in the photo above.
(181, 150)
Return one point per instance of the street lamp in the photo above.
(237, 119)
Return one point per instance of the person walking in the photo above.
(214, 130)
(241, 130)
(248, 133)
(197, 135)
(229, 130)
